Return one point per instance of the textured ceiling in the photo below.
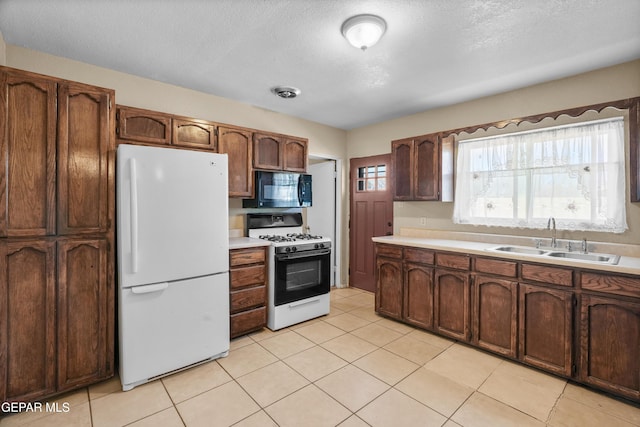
(434, 53)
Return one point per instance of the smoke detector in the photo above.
(286, 92)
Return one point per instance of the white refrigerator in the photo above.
(173, 260)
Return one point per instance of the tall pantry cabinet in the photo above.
(57, 160)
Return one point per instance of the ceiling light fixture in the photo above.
(286, 92)
(363, 31)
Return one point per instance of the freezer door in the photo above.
(168, 326)
(172, 214)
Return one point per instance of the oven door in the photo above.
(301, 275)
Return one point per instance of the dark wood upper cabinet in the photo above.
(144, 126)
(84, 123)
(294, 155)
(278, 152)
(28, 121)
(236, 143)
(416, 168)
(193, 133)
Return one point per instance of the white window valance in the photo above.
(574, 173)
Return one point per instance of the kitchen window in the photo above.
(574, 173)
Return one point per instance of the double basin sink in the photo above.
(553, 253)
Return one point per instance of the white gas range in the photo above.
(299, 268)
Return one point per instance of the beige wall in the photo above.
(608, 84)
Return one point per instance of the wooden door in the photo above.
(27, 320)
(452, 298)
(294, 155)
(236, 143)
(192, 133)
(545, 328)
(371, 214)
(495, 320)
(267, 151)
(84, 141)
(610, 345)
(27, 155)
(85, 313)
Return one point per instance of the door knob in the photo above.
(390, 224)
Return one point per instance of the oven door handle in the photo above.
(305, 254)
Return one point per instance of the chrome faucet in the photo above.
(551, 225)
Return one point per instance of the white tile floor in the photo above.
(351, 368)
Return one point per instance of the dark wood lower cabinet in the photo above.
(546, 328)
(495, 319)
(248, 290)
(452, 301)
(418, 295)
(610, 345)
(389, 289)
(27, 320)
(85, 307)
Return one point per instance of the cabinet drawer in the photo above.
(610, 284)
(546, 274)
(246, 256)
(248, 298)
(248, 321)
(461, 262)
(495, 266)
(419, 255)
(247, 276)
(389, 251)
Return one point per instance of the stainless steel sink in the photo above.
(519, 250)
(600, 258)
(578, 256)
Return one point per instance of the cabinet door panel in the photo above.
(236, 143)
(193, 134)
(389, 287)
(452, 304)
(546, 329)
(267, 152)
(610, 345)
(84, 316)
(294, 156)
(27, 326)
(427, 170)
(418, 295)
(495, 325)
(27, 155)
(402, 155)
(144, 126)
(84, 141)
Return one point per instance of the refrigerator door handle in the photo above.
(134, 215)
(147, 289)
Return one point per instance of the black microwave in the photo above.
(280, 190)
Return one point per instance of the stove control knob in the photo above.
(287, 249)
(318, 245)
(293, 249)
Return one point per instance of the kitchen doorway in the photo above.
(371, 214)
(323, 218)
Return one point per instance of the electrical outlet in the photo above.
(423, 221)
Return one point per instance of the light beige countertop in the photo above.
(480, 244)
(246, 242)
